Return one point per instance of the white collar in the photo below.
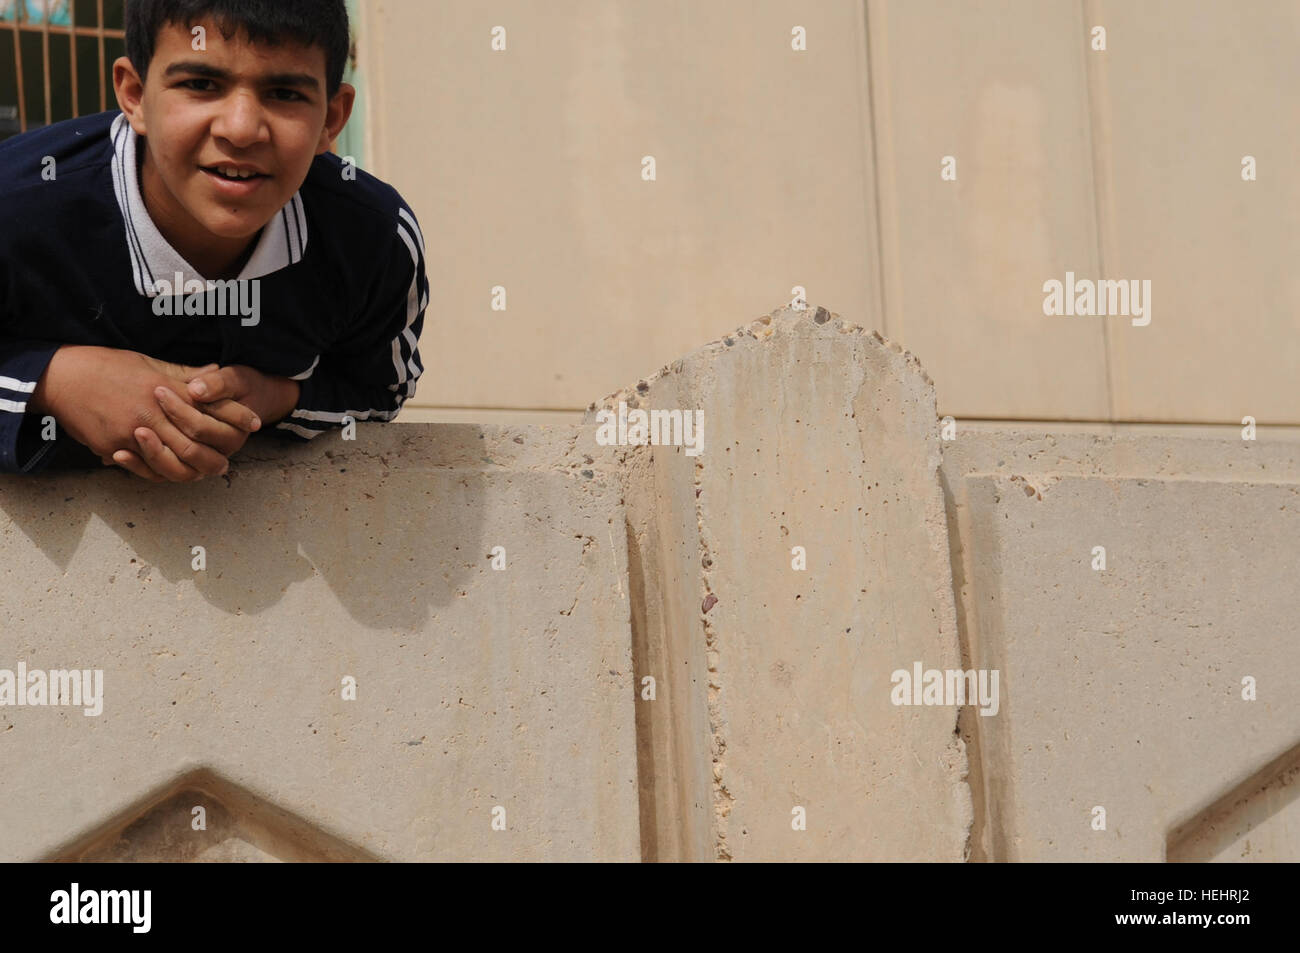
(283, 241)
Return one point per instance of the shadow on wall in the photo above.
(357, 652)
(388, 554)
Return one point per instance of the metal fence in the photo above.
(56, 59)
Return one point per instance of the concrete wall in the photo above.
(821, 168)
(534, 643)
(787, 570)
(1125, 683)
(475, 688)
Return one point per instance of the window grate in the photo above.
(56, 63)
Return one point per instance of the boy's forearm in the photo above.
(284, 398)
(41, 401)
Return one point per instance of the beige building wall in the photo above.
(778, 168)
(526, 170)
(534, 644)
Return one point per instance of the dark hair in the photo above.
(322, 23)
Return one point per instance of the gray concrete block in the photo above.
(1123, 687)
(475, 688)
(775, 682)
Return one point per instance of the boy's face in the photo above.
(253, 110)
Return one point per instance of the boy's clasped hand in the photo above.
(163, 422)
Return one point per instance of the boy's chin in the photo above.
(224, 225)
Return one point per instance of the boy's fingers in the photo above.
(234, 413)
(225, 430)
(182, 372)
(207, 459)
(193, 455)
(187, 373)
(214, 385)
(156, 450)
(132, 464)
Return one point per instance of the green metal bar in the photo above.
(351, 142)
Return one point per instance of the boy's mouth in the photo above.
(233, 180)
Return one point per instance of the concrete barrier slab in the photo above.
(775, 705)
(474, 688)
(1123, 687)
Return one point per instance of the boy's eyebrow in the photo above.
(208, 71)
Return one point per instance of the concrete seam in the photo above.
(1102, 188)
(968, 723)
(722, 797)
(876, 266)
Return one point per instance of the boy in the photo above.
(204, 224)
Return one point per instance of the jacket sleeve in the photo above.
(371, 371)
(21, 365)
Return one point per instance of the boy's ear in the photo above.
(336, 116)
(129, 89)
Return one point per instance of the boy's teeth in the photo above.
(235, 174)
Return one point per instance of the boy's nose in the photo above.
(241, 120)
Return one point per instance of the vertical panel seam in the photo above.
(1089, 13)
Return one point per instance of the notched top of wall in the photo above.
(781, 321)
(820, 444)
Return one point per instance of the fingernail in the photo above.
(199, 389)
(161, 392)
(257, 422)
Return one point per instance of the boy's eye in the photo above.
(210, 86)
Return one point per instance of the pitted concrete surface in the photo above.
(688, 656)
(818, 435)
(1123, 687)
(476, 689)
